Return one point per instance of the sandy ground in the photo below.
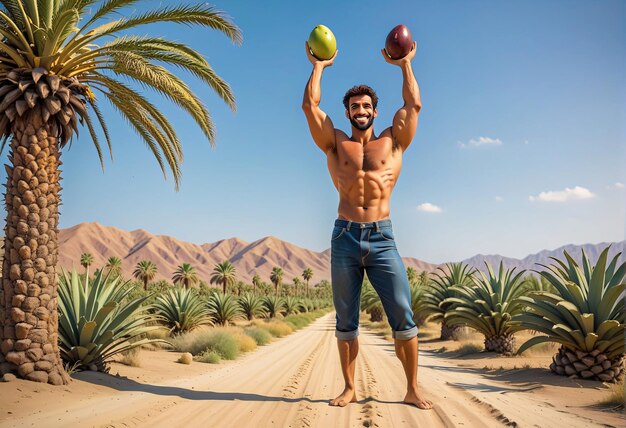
(289, 382)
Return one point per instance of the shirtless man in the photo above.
(364, 169)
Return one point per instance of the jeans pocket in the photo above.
(337, 232)
(387, 234)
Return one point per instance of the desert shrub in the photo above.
(260, 336)
(209, 356)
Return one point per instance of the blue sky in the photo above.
(521, 144)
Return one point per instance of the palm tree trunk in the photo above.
(224, 286)
(28, 298)
(145, 284)
(307, 288)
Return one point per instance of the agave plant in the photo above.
(418, 304)
(93, 325)
(488, 307)
(291, 305)
(370, 302)
(251, 306)
(586, 316)
(273, 305)
(440, 289)
(223, 309)
(181, 310)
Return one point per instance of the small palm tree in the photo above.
(58, 60)
(307, 274)
(145, 271)
(114, 265)
(440, 289)
(256, 283)
(224, 273)
(586, 314)
(411, 274)
(276, 277)
(86, 259)
(251, 306)
(223, 308)
(488, 306)
(185, 275)
(370, 302)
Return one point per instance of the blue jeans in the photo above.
(369, 247)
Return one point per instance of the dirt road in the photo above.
(289, 383)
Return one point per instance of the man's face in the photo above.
(361, 112)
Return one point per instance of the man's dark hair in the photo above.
(360, 90)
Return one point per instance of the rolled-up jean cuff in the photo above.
(405, 334)
(346, 335)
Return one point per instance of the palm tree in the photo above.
(296, 284)
(185, 275)
(145, 271)
(256, 282)
(224, 273)
(307, 274)
(55, 56)
(114, 265)
(86, 259)
(276, 276)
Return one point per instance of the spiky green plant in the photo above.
(418, 305)
(181, 310)
(488, 306)
(586, 316)
(370, 302)
(93, 325)
(251, 306)
(291, 305)
(225, 274)
(145, 271)
(58, 60)
(223, 309)
(440, 289)
(273, 305)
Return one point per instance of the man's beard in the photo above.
(364, 126)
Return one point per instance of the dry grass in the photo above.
(540, 350)
(276, 328)
(469, 348)
(211, 357)
(131, 357)
(616, 396)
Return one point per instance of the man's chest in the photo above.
(376, 155)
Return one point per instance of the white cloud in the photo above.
(618, 185)
(499, 199)
(563, 195)
(481, 142)
(427, 207)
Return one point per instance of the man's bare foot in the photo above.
(416, 399)
(347, 396)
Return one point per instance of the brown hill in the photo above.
(258, 257)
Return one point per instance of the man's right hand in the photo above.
(314, 61)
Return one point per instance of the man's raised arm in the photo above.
(405, 119)
(320, 125)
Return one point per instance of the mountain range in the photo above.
(258, 257)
